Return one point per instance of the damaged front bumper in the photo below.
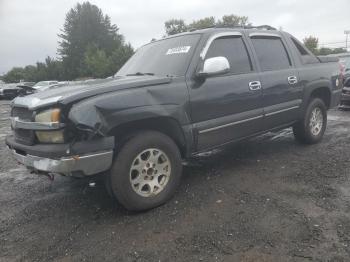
(78, 160)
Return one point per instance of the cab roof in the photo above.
(215, 29)
(250, 29)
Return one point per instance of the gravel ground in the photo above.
(267, 199)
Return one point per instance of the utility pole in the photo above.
(346, 32)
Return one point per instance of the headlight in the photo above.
(49, 116)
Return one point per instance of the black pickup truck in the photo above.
(173, 99)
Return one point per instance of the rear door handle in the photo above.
(292, 80)
(255, 85)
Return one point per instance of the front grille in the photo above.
(22, 113)
(23, 136)
(9, 92)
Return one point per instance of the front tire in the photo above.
(146, 172)
(311, 128)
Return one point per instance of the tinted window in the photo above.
(169, 56)
(234, 49)
(272, 54)
(306, 57)
(301, 49)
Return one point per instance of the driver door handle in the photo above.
(292, 80)
(254, 85)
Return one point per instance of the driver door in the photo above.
(227, 107)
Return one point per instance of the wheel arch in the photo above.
(323, 93)
(166, 125)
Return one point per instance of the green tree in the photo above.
(14, 75)
(311, 43)
(30, 73)
(339, 50)
(175, 26)
(90, 46)
(96, 61)
(324, 51)
(53, 69)
(86, 26)
(203, 23)
(233, 20)
(328, 51)
(119, 57)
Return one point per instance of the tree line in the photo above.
(175, 26)
(311, 42)
(90, 46)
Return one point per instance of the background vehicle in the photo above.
(345, 98)
(41, 86)
(10, 91)
(202, 90)
(44, 85)
(344, 59)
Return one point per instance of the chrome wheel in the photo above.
(316, 121)
(150, 172)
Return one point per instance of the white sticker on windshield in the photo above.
(178, 50)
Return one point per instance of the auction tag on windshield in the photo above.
(178, 50)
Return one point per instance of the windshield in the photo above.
(42, 83)
(168, 57)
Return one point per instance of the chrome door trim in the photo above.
(281, 111)
(229, 124)
(215, 36)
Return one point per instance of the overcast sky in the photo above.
(29, 28)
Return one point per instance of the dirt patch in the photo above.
(267, 199)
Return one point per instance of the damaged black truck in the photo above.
(173, 99)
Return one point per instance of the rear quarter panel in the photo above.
(317, 75)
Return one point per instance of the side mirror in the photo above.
(214, 66)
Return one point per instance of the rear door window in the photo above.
(271, 52)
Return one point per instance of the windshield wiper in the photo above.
(141, 74)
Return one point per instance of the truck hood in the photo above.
(75, 92)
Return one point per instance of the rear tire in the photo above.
(311, 128)
(146, 172)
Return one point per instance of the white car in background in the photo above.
(44, 85)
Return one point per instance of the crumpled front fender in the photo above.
(102, 113)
